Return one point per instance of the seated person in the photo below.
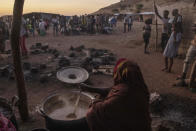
(124, 107)
(107, 30)
(190, 56)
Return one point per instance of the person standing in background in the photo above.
(42, 27)
(190, 57)
(166, 30)
(174, 41)
(4, 35)
(147, 34)
(125, 23)
(97, 23)
(55, 26)
(33, 23)
(92, 27)
(130, 23)
(23, 33)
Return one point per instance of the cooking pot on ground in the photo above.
(59, 105)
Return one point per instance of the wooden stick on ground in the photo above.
(15, 36)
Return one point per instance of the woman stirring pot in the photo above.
(124, 107)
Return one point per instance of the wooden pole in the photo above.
(15, 37)
(156, 34)
(156, 30)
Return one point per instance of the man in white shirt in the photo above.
(42, 27)
(125, 23)
(166, 29)
(55, 26)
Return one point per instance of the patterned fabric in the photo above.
(128, 72)
(5, 124)
(118, 66)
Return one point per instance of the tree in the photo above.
(15, 37)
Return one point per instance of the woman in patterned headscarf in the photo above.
(125, 106)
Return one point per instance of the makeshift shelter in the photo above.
(147, 15)
(136, 16)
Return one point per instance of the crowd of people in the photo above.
(73, 25)
(61, 25)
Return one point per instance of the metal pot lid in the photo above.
(73, 75)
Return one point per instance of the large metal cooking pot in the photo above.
(7, 109)
(59, 105)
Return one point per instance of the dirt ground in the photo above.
(126, 45)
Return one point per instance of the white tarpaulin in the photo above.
(147, 13)
(142, 13)
(117, 14)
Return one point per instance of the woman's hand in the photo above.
(99, 97)
(94, 101)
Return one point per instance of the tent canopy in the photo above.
(135, 14)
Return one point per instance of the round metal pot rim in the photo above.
(41, 106)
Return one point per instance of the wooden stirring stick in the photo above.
(73, 115)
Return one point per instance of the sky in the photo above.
(65, 7)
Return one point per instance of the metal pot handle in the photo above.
(40, 111)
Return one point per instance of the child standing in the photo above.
(147, 34)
